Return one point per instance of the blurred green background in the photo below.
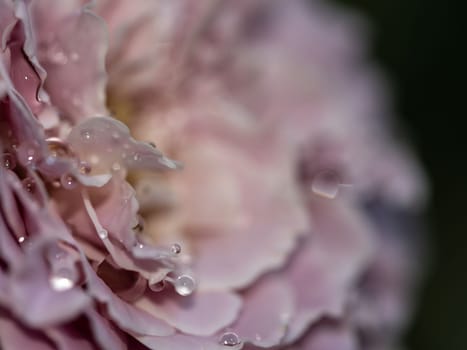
(419, 44)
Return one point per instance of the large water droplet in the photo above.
(68, 181)
(9, 161)
(230, 339)
(184, 285)
(326, 184)
(176, 248)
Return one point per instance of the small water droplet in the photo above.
(157, 287)
(9, 161)
(229, 339)
(184, 285)
(86, 135)
(62, 280)
(103, 233)
(29, 184)
(176, 248)
(136, 157)
(326, 184)
(21, 239)
(26, 155)
(68, 181)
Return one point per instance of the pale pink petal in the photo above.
(267, 309)
(74, 57)
(327, 266)
(329, 336)
(199, 314)
(15, 337)
(126, 316)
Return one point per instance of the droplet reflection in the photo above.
(184, 285)
(230, 339)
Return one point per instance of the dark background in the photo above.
(421, 46)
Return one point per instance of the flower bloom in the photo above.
(282, 213)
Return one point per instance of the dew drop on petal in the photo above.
(21, 239)
(26, 155)
(157, 287)
(9, 161)
(62, 280)
(184, 285)
(68, 181)
(176, 248)
(326, 184)
(29, 184)
(103, 233)
(230, 339)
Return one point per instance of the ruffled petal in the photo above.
(201, 314)
(15, 337)
(73, 53)
(267, 309)
(328, 264)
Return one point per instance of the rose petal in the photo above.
(267, 308)
(199, 314)
(16, 337)
(74, 57)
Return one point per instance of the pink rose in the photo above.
(280, 217)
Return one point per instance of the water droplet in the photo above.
(21, 239)
(326, 184)
(29, 184)
(86, 135)
(136, 157)
(176, 248)
(157, 287)
(62, 280)
(229, 339)
(103, 233)
(9, 161)
(68, 181)
(184, 285)
(26, 155)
